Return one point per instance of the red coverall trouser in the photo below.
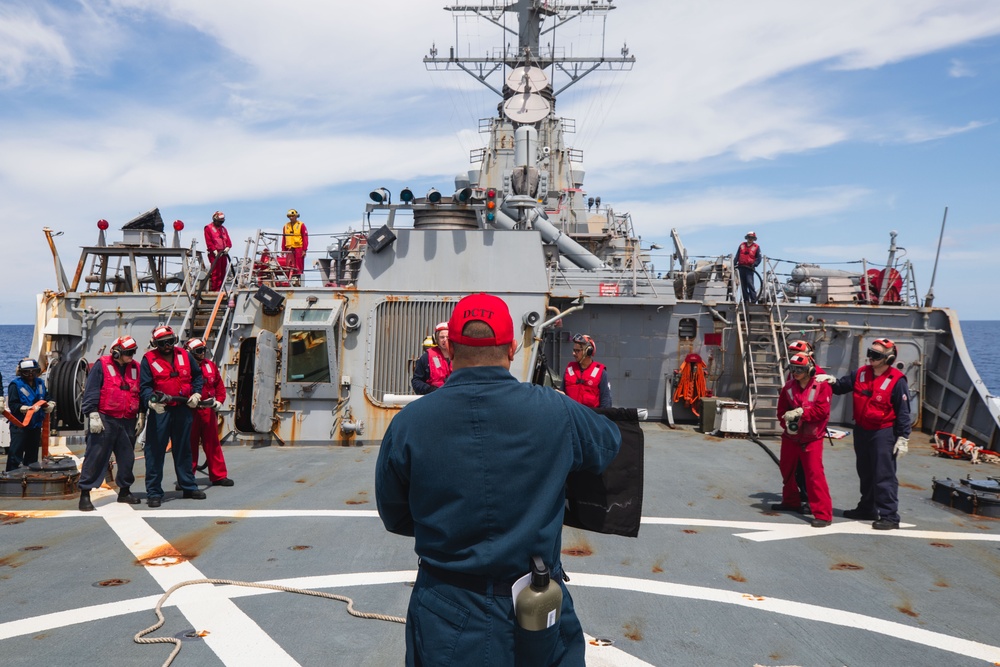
(218, 274)
(205, 432)
(812, 463)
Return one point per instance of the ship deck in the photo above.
(714, 577)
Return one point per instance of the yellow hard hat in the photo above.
(292, 213)
(428, 342)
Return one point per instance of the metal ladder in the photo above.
(209, 313)
(762, 338)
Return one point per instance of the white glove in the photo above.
(140, 424)
(823, 377)
(96, 424)
(225, 251)
(792, 414)
(49, 407)
(901, 447)
(158, 408)
(25, 408)
(194, 400)
(3, 404)
(216, 405)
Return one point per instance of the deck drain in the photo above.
(111, 582)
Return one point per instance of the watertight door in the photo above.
(264, 374)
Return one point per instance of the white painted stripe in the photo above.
(234, 636)
(764, 531)
(61, 619)
(751, 601)
(798, 610)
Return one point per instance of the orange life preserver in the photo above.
(691, 386)
(583, 386)
(873, 398)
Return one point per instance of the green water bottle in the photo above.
(540, 603)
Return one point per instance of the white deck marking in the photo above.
(601, 657)
(237, 639)
(234, 636)
(798, 610)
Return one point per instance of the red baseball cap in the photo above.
(485, 308)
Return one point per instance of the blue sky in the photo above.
(821, 126)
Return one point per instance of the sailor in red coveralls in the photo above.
(803, 411)
(111, 403)
(204, 429)
(167, 370)
(585, 380)
(806, 348)
(881, 432)
(432, 369)
(218, 244)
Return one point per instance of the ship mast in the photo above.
(531, 17)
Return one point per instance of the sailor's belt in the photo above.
(470, 582)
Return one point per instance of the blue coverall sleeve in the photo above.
(845, 384)
(197, 377)
(598, 436)
(92, 390)
(145, 383)
(605, 397)
(392, 487)
(901, 404)
(421, 375)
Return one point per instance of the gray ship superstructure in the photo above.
(326, 357)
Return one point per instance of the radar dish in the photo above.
(526, 108)
(527, 79)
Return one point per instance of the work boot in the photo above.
(125, 496)
(819, 523)
(858, 513)
(885, 524)
(225, 481)
(197, 494)
(85, 504)
(154, 501)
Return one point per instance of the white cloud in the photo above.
(28, 46)
(959, 69)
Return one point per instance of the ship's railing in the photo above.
(791, 282)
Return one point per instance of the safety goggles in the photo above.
(797, 370)
(875, 355)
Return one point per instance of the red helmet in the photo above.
(751, 235)
(163, 336)
(886, 343)
(800, 346)
(196, 346)
(584, 339)
(218, 216)
(800, 362)
(124, 345)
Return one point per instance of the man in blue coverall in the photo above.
(881, 432)
(476, 472)
(168, 370)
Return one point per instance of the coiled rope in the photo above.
(141, 639)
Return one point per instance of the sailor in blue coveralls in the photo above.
(168, 369)
(881, 433)
(26, 390)
(476, 472)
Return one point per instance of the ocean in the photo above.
(980, 336)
